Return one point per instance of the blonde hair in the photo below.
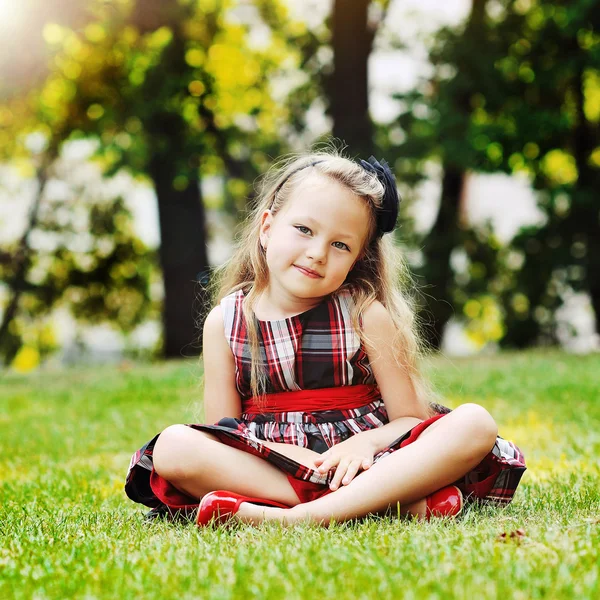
(381, 273)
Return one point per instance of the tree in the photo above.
(172, 91)
(97, 285)
(515, 91)
(546, 123)
(435, 123)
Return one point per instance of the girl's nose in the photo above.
(317, 251)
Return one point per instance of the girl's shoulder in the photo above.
(373, 311)
(230, 305)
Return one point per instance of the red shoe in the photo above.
(447, 502)
(222, 505)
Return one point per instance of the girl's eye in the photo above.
(306, 230)
(343, 246)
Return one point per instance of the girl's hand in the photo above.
(347, 458)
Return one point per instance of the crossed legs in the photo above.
(444, 452)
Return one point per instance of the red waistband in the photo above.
(334, 398)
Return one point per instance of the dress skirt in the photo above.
(494, 480)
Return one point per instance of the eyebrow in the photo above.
(347, 236)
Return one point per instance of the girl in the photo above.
(311, 376)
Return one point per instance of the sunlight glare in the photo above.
(11, 13)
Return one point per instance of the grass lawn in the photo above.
(68, 530)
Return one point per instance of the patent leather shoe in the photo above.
(447, 502)
(221, 505)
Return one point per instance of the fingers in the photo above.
(328, 463)
(345, 469)
(353, 469)
(337, 477)
(345, 473)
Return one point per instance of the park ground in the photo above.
(67, 530)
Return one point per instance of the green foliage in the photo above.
(517, 90)
(173, 92)
(134, 80)
(87, 259)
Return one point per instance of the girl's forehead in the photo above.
(327, 202)
(328, 196)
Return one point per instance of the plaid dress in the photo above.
(316, 349)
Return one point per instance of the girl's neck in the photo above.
(273, 305)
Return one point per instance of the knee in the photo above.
(169, 452)
(481, 429)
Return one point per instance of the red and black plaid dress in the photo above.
(310, 351)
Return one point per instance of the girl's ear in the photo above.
(265, 227)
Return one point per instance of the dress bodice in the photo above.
(315, 349)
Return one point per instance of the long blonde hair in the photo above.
(381, 273)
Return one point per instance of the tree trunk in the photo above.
(438, 246)
(184, 261)
(594, 291)
(348, 87)
(445, 233)
(183, 254)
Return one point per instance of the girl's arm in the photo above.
(221, 398)
(399, 397)
(395, 385)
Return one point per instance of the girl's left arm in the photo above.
(398, 393)
(399, 396)
(394, 383)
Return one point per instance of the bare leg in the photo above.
(445, 451)
(197, 463)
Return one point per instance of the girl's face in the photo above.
(313, 242)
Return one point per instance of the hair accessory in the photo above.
(388, 213)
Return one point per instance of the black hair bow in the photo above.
(388, 213)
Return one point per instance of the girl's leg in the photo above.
(445, 451)
(197, 463)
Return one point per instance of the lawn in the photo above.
(68, 530)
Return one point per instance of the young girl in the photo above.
(311, 375)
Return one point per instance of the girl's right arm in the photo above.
(221, 398)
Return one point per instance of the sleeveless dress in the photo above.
(316, 349)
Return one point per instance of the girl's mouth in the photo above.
(308, 273)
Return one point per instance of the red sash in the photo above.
(334, 398)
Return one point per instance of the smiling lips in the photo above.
(308, 272)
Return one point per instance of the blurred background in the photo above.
(132, 132)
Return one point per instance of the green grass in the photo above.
(68, 530)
